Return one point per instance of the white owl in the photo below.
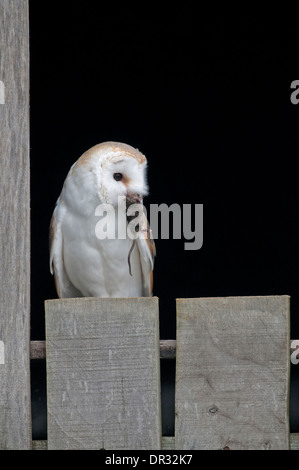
(84, 265)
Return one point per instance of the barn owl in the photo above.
(84, 265)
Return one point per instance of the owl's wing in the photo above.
(63, 285)
(147, 251)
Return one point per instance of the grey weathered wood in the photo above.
(15, 415)
(232, 377)
(39, 445)
(2, 92)
(294, 441)
(38, 350)
(167, 348)
(168, 443)
(103, 373)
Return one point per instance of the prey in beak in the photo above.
(133, 198)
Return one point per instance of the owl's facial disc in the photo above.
(123, 176)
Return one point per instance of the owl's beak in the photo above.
(133, 198)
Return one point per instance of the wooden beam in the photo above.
(103, 373)
(232, 377)
(15, 415)
(38, 349)
(167, 349)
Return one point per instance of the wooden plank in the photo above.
(295, 441)
(15, 415)
(168, 443)
(39, 445)
(103, 373)
(232, 377)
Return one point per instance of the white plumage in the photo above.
(82, 264)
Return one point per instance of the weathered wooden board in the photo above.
(103, 373)
(168, 443)
(294, 440)
(232, 377)
(15, 415)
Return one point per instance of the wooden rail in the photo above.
(167, 349)
(38, 349)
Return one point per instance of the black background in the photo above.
(207, 99)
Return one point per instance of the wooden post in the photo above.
(232, 379)
(15, 415)
(103, 373)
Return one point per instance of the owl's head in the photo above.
(123, 173)
(111, 170)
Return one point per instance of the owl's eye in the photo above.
(118, 176)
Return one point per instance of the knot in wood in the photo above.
(213, 410)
